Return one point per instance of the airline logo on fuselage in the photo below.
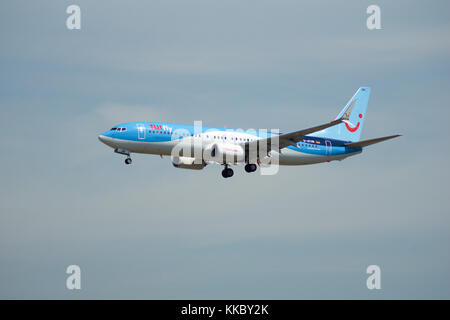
(160, 127)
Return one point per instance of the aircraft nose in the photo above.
(102, 138)
(106, 138)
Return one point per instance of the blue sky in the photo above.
(152, 231)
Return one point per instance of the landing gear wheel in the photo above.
(250, 167)
(227, 173)
(128, 161)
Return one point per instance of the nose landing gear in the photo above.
(126, 153)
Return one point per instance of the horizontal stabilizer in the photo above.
(366, 143)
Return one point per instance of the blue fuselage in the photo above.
(160, 138)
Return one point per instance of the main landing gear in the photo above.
(128, 160)
(227, 172)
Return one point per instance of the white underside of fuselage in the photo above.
(285, 156)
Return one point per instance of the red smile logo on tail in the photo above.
(356, 127)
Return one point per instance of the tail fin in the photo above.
(353, 114)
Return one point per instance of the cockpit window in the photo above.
(118, 129)
(112, 129)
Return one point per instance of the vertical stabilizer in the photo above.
(354, 114)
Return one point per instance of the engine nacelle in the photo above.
(187, 163)
(225, 153)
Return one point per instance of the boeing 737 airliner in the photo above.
(194, 147)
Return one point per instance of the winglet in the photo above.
(348, 112)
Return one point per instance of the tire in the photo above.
(128, 161)
(227, 173)
(224, 173)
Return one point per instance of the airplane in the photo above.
(198, 146)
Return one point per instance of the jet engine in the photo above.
(187, 163)
(225, 153)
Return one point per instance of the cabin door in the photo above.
(328, 147)
(141, 131)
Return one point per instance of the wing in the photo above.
(285, 140)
